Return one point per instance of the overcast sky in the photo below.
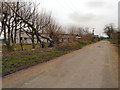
(83, 13)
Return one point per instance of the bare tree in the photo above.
(54, 31)
(109, 30)
(25, 18)
(80, 32)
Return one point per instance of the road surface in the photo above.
(94, 66)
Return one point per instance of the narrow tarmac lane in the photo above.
(94, 66)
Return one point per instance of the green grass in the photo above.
(18, 47)
(15, 63)
(25, 46)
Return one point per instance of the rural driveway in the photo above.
(93, 66)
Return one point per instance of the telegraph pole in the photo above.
(93, 31)
(93, 34)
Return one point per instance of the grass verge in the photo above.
(15, 62)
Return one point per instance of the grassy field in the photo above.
(16, 61)
(18, 47)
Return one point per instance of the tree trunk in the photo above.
(33, 43)
(9, 38)
(15, 33)
(20, 40)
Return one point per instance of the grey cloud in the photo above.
(94, 4)
(80, 17)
